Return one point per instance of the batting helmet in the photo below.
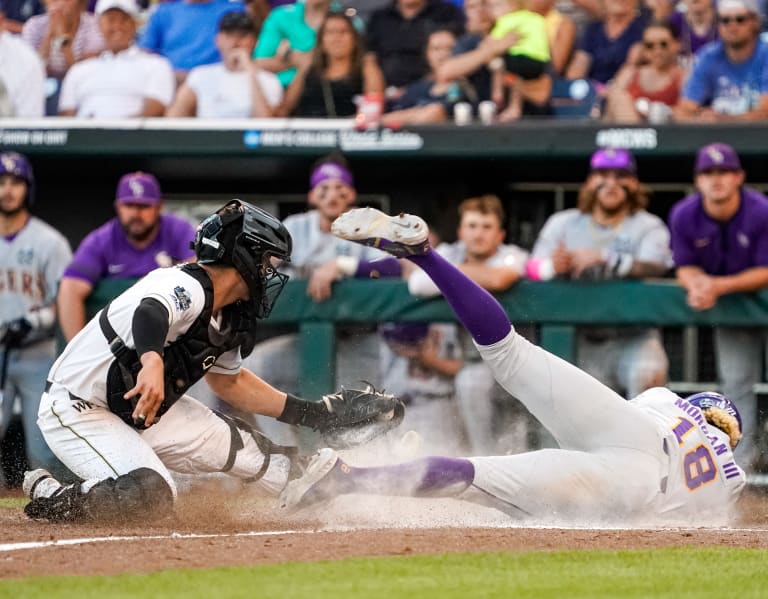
(18, 165)
(710, 399)
(250, 240)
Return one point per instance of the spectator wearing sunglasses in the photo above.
(649, 91)
(729, 81)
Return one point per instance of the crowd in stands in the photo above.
(646, 60)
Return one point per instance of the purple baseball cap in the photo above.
(138, 188)
(613, 159)
(331, 170)
(717, 156)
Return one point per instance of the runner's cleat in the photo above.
(402, 235)
(313, 486)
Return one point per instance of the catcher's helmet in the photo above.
(710, 399)
(18, 165)
(253, 242)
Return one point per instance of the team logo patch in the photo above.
(182, 298)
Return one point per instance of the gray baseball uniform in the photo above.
(631, 359)
(31, 265)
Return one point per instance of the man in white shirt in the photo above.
(21, 77)
(235, 87)
(123, 81)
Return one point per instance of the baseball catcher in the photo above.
(116, 410)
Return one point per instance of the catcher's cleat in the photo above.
(401, 235)
(39, 483)
(50, 500)
(309, 489)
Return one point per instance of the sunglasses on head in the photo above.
(663, 44)
(740, 19)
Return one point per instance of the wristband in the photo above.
(540, 269)
(313, 414)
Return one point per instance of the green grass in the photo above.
(12, 502)
(677, 573)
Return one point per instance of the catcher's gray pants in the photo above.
(611, 458)
(189, 439)
(740, 366)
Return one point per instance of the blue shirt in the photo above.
(608, 55)
(720, 248)
(185, 32)
(727, 87)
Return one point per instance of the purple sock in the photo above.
(426, 477)
(373, 269)
(478, 310)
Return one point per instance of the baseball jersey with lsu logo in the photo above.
(106, 253)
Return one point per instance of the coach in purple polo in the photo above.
(720, 246)
(139, 239)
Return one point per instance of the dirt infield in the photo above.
(214, 530)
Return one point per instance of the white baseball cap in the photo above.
(129, 7)
(743, 5)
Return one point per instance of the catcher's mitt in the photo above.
(357, 416)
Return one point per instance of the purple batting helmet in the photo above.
(18, 165)
(710, 399)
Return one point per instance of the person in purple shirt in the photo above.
(139, 239)
(719, 238)
(695, 27)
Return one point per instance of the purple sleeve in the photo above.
(88, 262)
(385, 267)
(682, 249)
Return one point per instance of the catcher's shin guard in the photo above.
(114, 500)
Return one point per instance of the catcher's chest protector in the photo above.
(186, 360)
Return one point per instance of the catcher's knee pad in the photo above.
(128, 496)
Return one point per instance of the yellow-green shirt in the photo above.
(531, 26)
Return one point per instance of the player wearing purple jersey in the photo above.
(33, 256)
(720, 246)
(657, 456)
(138, 240)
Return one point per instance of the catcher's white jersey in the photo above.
(82, 367)
(96, 444)
(650, 457)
